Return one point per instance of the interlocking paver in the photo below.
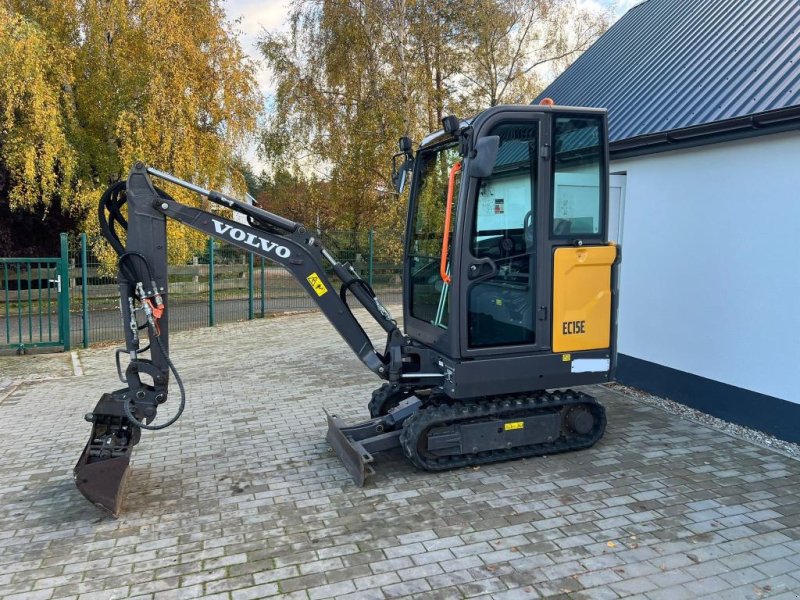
(406, 588)
(331, 590)
(520, 593)
(243, 499)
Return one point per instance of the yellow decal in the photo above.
(498, 301)
(582, 298)
(317, 285)
(566, 357)
(514, 425)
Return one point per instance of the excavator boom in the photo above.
(117, 420)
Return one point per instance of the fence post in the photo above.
(7, 302)
(250, 312)
(63, 300)
(263, 287)
(211, 282)
(371, 254)
(84, 292)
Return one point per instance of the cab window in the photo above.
(501, 306)
(430, 295)
(577, 177)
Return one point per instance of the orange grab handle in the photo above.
(451, 184)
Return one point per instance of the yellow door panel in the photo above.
(582, 298)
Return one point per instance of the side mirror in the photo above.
(482, 162)
(400, 174)
(405, 145)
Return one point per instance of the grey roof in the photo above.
(676, 64)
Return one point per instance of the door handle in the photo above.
(57, 281)
(451, 184)
(482, 268)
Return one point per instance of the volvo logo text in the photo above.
(251, 239)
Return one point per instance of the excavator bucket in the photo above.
(102, 483)
(102, 470)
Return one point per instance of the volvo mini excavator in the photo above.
(509, 295)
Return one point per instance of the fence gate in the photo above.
(34, 302)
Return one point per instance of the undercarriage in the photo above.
(437, 434)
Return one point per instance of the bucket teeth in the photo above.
(102, 470)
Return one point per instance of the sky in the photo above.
(256, 16)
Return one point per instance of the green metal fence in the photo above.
(34, 302)
(222, 284)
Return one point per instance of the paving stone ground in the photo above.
(243, 499)
(34, 367)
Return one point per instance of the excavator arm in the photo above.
(119, 416)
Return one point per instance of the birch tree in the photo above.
(88, 87)
(352, 76)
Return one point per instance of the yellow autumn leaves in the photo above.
(87, 88)
(33, 112)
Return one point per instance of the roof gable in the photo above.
(676, 64)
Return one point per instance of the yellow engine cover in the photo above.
(582, 298)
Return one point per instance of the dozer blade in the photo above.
(102, 470)
(353, 455)
(355, 444)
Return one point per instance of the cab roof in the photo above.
(440, 136)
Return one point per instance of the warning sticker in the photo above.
(317, 285)
(514, 425)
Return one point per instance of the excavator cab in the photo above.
(510, 291)
(509, 300)
(509, 273)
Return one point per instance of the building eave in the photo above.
(773, 121)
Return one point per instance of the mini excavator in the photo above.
(510, 296)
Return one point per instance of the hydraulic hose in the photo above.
(181, 406)
(112, 200)
(126, 256)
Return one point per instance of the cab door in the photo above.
(427, 294)
(505, 306)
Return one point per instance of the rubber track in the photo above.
(386, 398)
(508, 407)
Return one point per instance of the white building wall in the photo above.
(710, 280)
